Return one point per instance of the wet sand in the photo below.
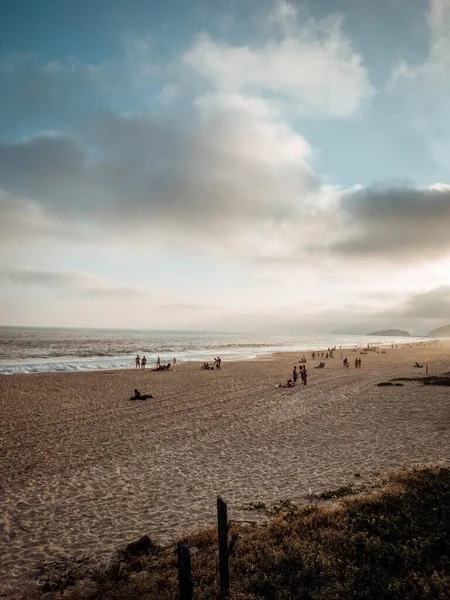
(85, 470)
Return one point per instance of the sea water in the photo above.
(38, 350)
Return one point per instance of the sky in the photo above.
(246, 165)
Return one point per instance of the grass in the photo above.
(394, 544)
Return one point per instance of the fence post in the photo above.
(224, 569)
(184, 572)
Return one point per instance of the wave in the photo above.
(43, 351)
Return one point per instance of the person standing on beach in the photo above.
(158, 362)
(138, 362)
(143, 362)
(174, 362)
(304, 375)
(295, 374)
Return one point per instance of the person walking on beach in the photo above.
(174, 362)
(295, 374)
(138, 362)
(143, 362)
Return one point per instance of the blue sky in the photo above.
(235, 165)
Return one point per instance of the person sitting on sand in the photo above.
(138, 362)
(138, 396)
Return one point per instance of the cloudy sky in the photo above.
(224, 164)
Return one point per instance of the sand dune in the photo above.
(84, 469)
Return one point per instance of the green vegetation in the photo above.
(394, 544)
(339, 492)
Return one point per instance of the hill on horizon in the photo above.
(440, 332)
(392, 332)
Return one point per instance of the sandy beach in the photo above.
(85, 470)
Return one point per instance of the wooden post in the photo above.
(184, 572)
(224, 569)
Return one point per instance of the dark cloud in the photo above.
(134, 174)
(398, 224)
(431, 305)
(74, 281)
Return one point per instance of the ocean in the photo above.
(41, 350)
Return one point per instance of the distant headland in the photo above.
(440, 332)
(391, 332)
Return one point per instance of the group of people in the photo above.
(302, 372)
(328, 354)
(142, 362)
(346, 363)
(217, 363)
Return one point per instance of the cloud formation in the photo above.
(430, 305)
(210, 157)
(398, 224)
(310, 66)
(238, 169)
(69, 281)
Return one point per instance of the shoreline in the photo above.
(40, 362)
(85, 470)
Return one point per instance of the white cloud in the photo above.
(440, 187)
(311, 67)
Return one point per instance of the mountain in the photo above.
(440, 332)
(392, 332)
